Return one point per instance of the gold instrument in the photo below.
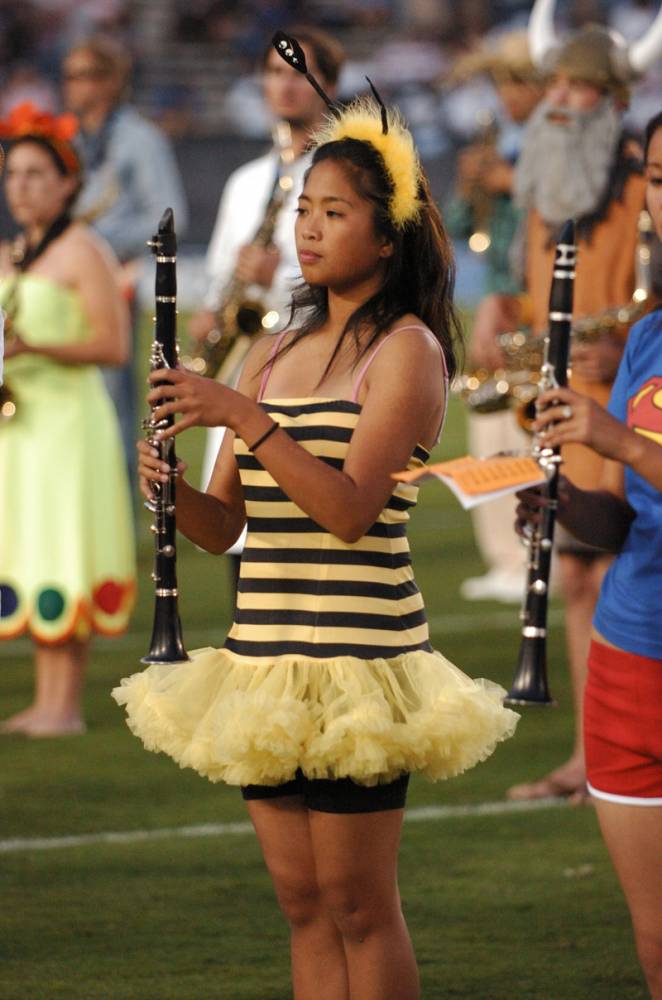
(515, 385)
(239, 317)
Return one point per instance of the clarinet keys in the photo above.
(167, 645)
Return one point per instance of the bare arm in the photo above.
(403, 407)
(589, 423)
(598, 517)
(213, 522)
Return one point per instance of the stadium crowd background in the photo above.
(195, 74)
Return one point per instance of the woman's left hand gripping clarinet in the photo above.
(167, 645)
(530, 682)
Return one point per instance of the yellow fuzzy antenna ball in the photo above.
(362, 120)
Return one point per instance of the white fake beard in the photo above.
(564, 167)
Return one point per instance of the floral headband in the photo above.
(26, 121)
(367, 120)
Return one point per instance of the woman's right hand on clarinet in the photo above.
(151, 469)
(566, 416)
(198, 401)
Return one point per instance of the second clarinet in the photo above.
(167, 645)
(530, 686)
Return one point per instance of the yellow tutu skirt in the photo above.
(234, 720)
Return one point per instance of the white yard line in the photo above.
(423, 814)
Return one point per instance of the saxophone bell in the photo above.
(516, 383)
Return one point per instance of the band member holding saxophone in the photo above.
(623, 703)
(483, 202)
(267, 272)
(576, 162)
(66, 533)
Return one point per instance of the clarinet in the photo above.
(167, 645)
(530, 685)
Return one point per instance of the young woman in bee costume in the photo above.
(327, 692)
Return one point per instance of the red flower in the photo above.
(27, 119)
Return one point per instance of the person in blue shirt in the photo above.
(131, 175)
(623, 697)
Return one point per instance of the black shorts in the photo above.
(340, 795)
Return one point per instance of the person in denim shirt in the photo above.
(130, 176)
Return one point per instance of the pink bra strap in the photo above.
(269, 365)
(366, 365)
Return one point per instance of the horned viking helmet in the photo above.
(593, 53)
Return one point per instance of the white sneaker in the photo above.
(497, 585)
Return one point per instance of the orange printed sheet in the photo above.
(477, 480)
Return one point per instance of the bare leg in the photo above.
(319, 970)
(356, 863)
(633, 835)
(580, 584)
(59, 677)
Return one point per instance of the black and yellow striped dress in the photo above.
(328, 666)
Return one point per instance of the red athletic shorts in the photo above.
(623, 726)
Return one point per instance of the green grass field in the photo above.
(504, 906)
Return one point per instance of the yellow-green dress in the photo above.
(328, 667)
(67, 561)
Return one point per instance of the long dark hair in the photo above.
(651, 128)
(419, 276)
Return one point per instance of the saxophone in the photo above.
(515, 385)
(239, 317)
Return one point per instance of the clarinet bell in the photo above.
(530, 685)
